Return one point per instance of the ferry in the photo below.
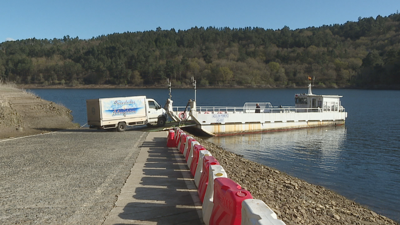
(310, 110)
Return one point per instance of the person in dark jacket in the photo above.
(257, 108)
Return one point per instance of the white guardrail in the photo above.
(225, 109)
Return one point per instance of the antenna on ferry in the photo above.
(169, 87)
(194, 85)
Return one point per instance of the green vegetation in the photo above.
(361, 54)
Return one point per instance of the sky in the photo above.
(48, 19)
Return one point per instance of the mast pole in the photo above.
(194, 85)
(169, 87)
(309, 85)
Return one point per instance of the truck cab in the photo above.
(155, 113)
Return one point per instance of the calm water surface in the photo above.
(360, 160)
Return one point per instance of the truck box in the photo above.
(108, 112)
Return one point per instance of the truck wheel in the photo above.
(121, 127)
(161, 122)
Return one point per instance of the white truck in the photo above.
(110, 113)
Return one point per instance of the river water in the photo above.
(360, 160)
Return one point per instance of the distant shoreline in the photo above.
(104, 86)
(32, 86)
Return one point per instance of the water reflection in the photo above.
(302, 150)
(328, 157)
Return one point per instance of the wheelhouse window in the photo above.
(301, 101)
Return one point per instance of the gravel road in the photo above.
(66, 177)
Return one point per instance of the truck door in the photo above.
(152, 111)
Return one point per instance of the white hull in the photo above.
(227, 123)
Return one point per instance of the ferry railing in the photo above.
(229, 109)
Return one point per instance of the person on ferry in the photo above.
(257, 108)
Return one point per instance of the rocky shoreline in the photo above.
(293, 200)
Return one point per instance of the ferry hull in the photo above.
(220, 124)
(235, 129)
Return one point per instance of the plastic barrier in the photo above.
(199, 168)
(179, 137)
(182, 142)
(195, 160)
(171, 138)
(207, 162)
(178, 133)
(216, 171)
(256, 212)
(189, 152)
(228, 198)
(189, 140)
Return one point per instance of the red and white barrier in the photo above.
(189, 140)
(256, 212)
(178, 134)
(228, 198)
(182, 141)
(171, 142)
(216, 171)
(195, 159)
(189, 153)
(199, 168)
(224, 201)
(207, 162)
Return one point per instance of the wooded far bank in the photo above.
(362, 54)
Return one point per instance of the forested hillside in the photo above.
(361, 54)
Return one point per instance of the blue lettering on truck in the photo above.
(128, 107)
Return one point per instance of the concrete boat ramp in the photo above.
(95, 177)
(159, 190)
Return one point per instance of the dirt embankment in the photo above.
(293, 200)
(23, 113)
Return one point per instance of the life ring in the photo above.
(182, 115)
